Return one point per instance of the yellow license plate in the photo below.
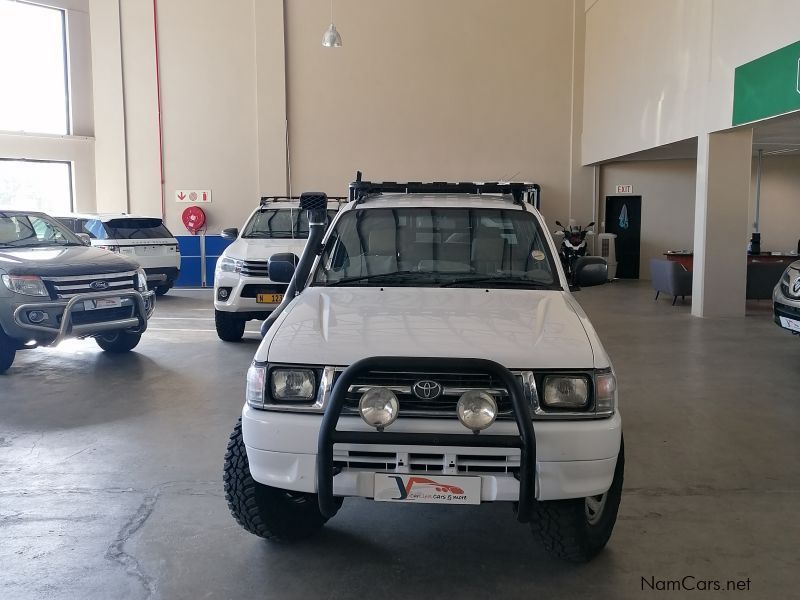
(269, 298)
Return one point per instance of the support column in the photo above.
(111, 169)
(721, 223)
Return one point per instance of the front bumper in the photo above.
(141, 304)
(574, 459)
(242, 294)
(783, 306)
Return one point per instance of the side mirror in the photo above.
(281, 267)
(84, 238)
(590, 270)
(230, 234)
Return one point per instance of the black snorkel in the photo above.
(281, 267)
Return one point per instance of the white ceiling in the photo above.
(779, 135)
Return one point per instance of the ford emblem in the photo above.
(99, 286)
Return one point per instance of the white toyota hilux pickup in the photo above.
(429, 350)
(243, 289)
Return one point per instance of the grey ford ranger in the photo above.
(53, 285)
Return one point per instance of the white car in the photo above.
(143, 239)
(433, 354)
(243, 289)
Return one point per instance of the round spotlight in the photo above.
(378, 407)
(223, 294)
(476, 410)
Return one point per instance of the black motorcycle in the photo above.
(573, 246)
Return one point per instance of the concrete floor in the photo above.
(110, 474)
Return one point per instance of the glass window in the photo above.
(36, 185)
(30, 230)
(33, 65)
(437, 246)
(280, 223)
(134, 229)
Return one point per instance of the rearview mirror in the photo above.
(230, 234)
(281, 267)
(84, 238)
(590, 270)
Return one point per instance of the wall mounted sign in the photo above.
(193, 196)
(624, 189)
(767, 86)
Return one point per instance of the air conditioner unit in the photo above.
(608, 250)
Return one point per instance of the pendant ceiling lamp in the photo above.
(331, 38)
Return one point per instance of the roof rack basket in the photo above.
(521, 192)
(266, 200)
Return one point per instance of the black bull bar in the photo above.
(525, 440)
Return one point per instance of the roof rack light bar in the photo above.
(521, 191)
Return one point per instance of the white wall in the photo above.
(780, 202)
(667, 188)
(662, 71)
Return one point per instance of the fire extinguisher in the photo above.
(194, 219)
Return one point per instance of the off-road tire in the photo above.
(268, 512)
(563, 528)
(118, 342)
(161, 290)
(8, 350)
(229, 327)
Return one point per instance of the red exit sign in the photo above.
(624, 189)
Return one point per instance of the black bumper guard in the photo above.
(329, 435)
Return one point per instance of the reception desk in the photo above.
(687, 258)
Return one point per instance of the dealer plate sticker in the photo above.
(419, 489)
(790, 324)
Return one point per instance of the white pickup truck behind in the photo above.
(242, 287)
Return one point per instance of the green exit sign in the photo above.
(767, 86)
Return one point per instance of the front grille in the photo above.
(103, 315)
(252, 290)
(453, 386)
(255, 268)
(497, 461)
(67, 287)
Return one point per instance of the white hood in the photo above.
(517, 328)
(262, 249)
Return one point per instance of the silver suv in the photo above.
(786, 299)
(54, 285)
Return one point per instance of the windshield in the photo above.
(437, 247)
(278, 223)
(33, 230)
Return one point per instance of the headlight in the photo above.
(563, 391)
(378, 407)
(29, 285)
(141, 280)
(293, 385)
(229, 265)
(476, 410)
(256, 385)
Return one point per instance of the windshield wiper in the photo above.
(381, 276)
(502, 280)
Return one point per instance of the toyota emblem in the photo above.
(99, 286)
(427, 390)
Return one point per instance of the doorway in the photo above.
(624, 218)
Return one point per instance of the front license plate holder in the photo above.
(426, 489)
(102, 303)
(790, 324)
(269, 298)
